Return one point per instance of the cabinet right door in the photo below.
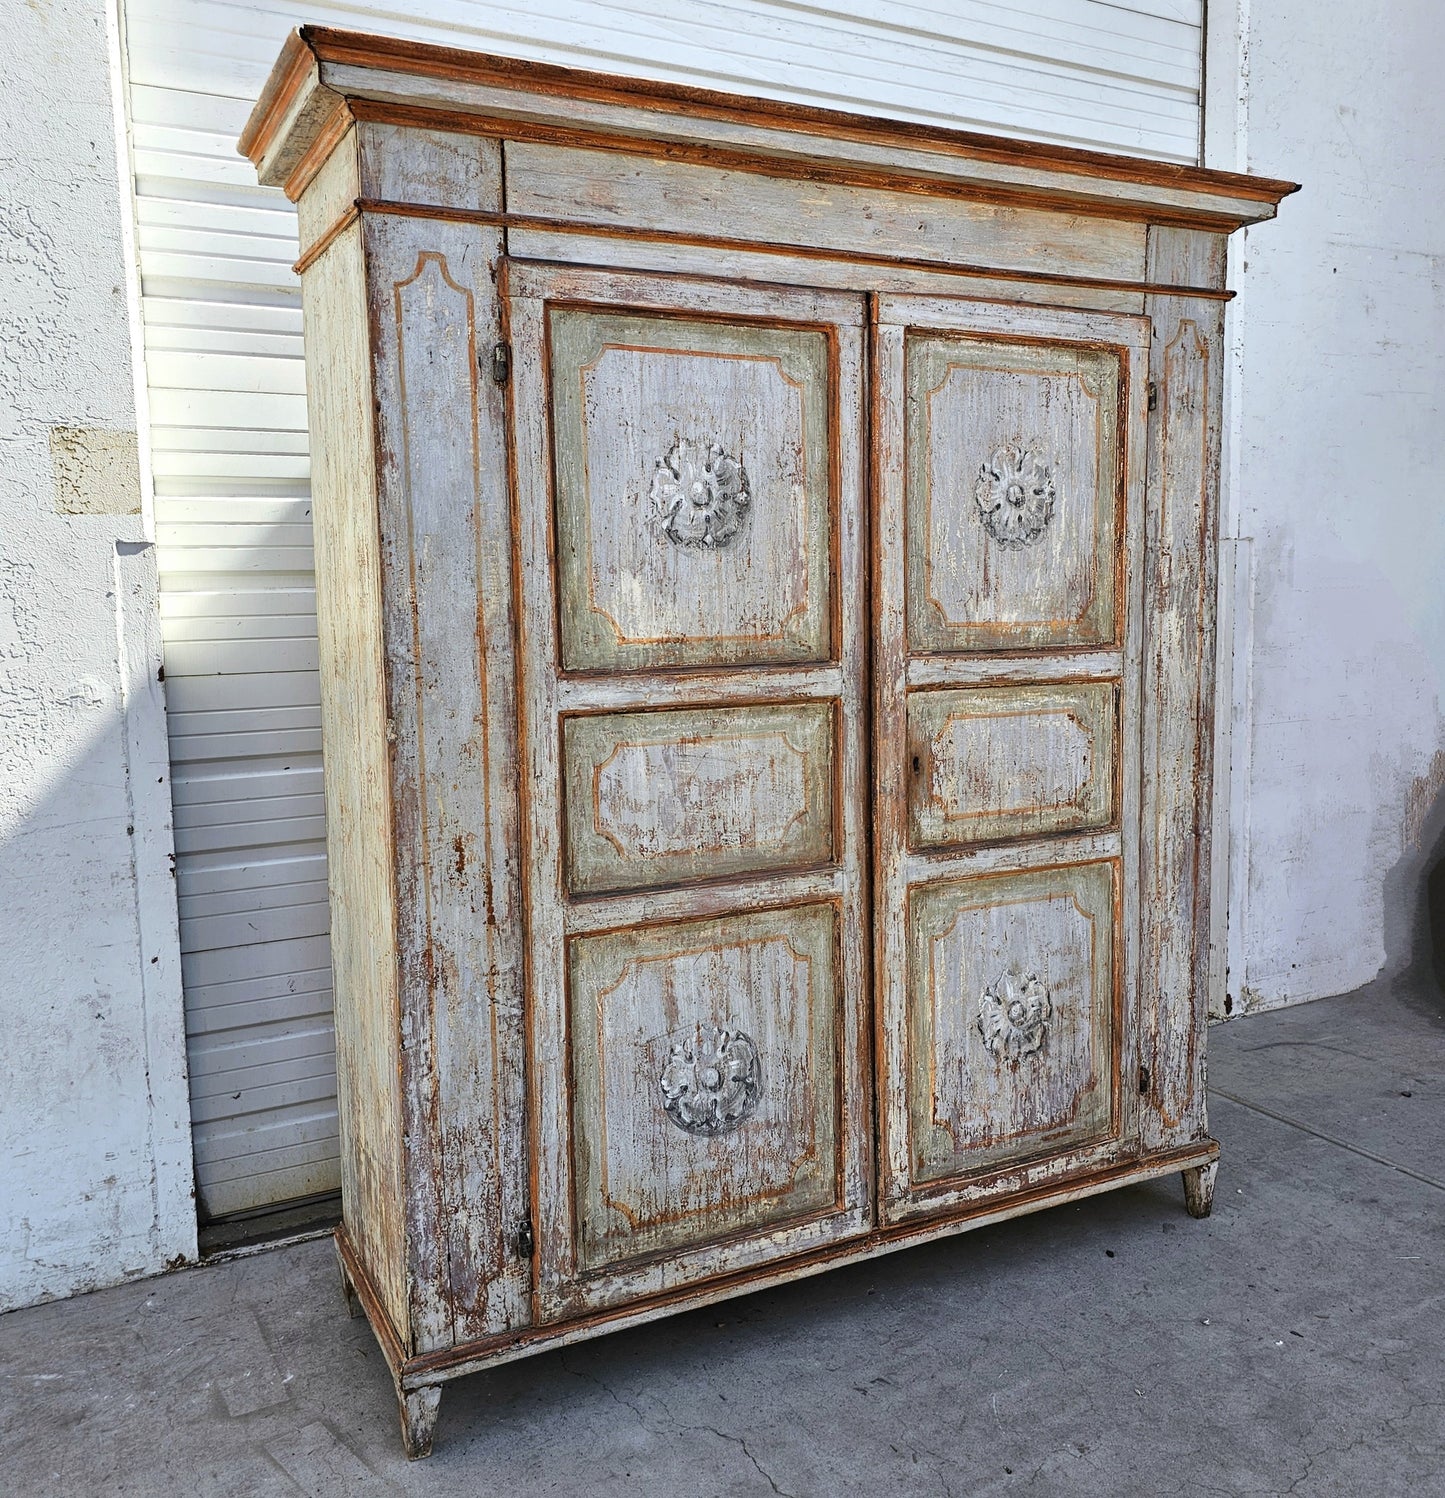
(1009, 528)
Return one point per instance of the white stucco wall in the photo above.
(1337, 489)
(94, 1125)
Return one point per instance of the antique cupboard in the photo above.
(765, 576)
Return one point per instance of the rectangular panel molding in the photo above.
(1013, 493)
(722, 428)
(766, 639)
(1013, 1025)
(705, 1069)
(991, 763)
(659, 797)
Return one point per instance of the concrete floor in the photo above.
(1293, 1343)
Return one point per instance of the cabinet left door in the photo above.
(689, 531)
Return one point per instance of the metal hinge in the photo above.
(501, 362)
(1153, 396)
(522, 1242)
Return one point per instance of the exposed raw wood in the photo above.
(331, 200)
(419, 1408)
(976, 528)
(1011, 761)
(1030, 1196)
(680, 1035)
(648, 252)
(751, 702)
(653, 798)
(1014, 1012)
(1186, 366)
(725, 558)
(1199, 1188)
(1012, 504)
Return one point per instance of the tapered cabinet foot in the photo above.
(419, 1420)
(348, 1290)
(1199, 1188)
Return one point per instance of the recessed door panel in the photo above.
(1011, 1018)
(693, 478)
(705, 1068)
(660, 797)
(1013, 492)
(992, 763)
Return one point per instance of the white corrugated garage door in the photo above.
(228, 429)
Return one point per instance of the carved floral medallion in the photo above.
(1014, 493)
(700, 494)
(1014, 1015)
(711, 1081)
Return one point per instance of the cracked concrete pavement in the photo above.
(1293, 1343)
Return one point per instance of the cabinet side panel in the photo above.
(447, 602)
(1186, 367)
(358, 803)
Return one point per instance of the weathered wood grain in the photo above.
(683, 196)
(473, 92)
(1013, 993)
(706, 1097)
(810, 471)
(693, 512)
(598, 696)
(991, 670)
(349, 618)
(661, 797)
(1187, 367)
(1012, 503)
(644, 251)
(1010, 1194)
(445, 526)
(331, 196)
(913, 454)
(438, 168)
(1007, 762)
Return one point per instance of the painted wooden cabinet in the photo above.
(765, 573)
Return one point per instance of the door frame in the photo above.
(897, 671)
(554, 918)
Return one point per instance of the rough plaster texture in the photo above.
(94, 1123)
(1338, 800)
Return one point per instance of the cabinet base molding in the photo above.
(426, 1372)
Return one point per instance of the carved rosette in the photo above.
(1014, 493)
(711, 1081)
(1014, 1015)
(700, 494)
